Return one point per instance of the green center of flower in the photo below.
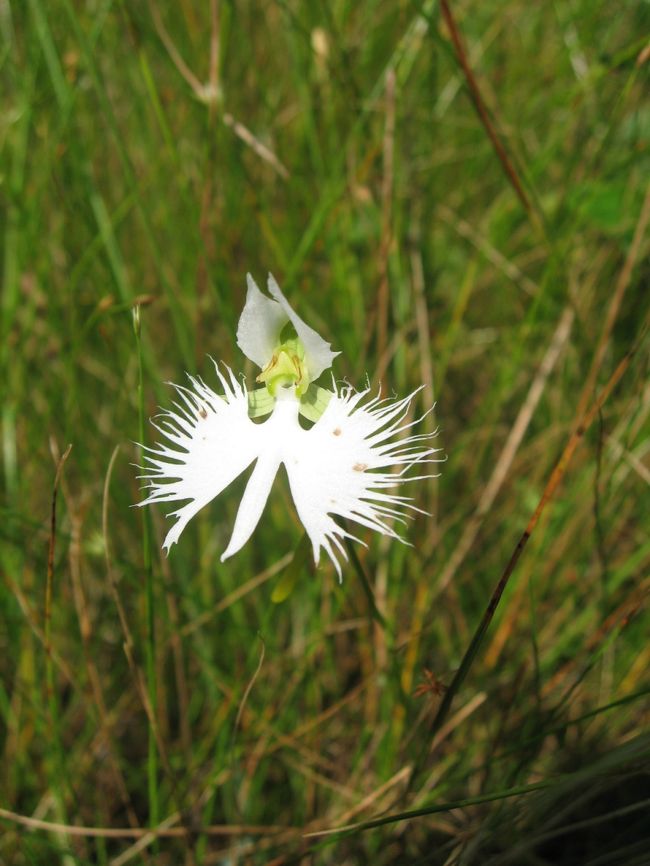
(287, 365)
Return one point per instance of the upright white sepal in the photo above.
(260, 323)
(318, 354)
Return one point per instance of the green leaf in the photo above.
(314, 402)
(260, 403)
(289, 578)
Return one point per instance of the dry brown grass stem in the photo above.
(237, 594)
(386, 214)
(174, 54)
(371, 799)
(250, 685)
(614, 307)
(50, 552)
(491, 253)
(509, 451)
(258, 147)
(552, 484)
(138, 832)
(482, 111)
(128, 645)
(457, 719)
(213, 74)
(105, 728)
(619, 618)
(32, 618)
(426, 366)
(209, 93)
(380, 583)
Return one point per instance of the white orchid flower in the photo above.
(339, 466)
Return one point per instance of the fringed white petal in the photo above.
(341, 466)
(213, 441)
(253, 502)
(338, 467)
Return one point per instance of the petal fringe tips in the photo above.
(346, 464)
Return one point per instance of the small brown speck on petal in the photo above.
(337, 431)
(359, 467)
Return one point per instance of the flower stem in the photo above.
(150, 644)
(374, 611)
(60, 779)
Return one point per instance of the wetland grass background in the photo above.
(453, 196)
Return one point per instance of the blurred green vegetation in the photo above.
(154, 153)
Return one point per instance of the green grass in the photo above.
(343, 152)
